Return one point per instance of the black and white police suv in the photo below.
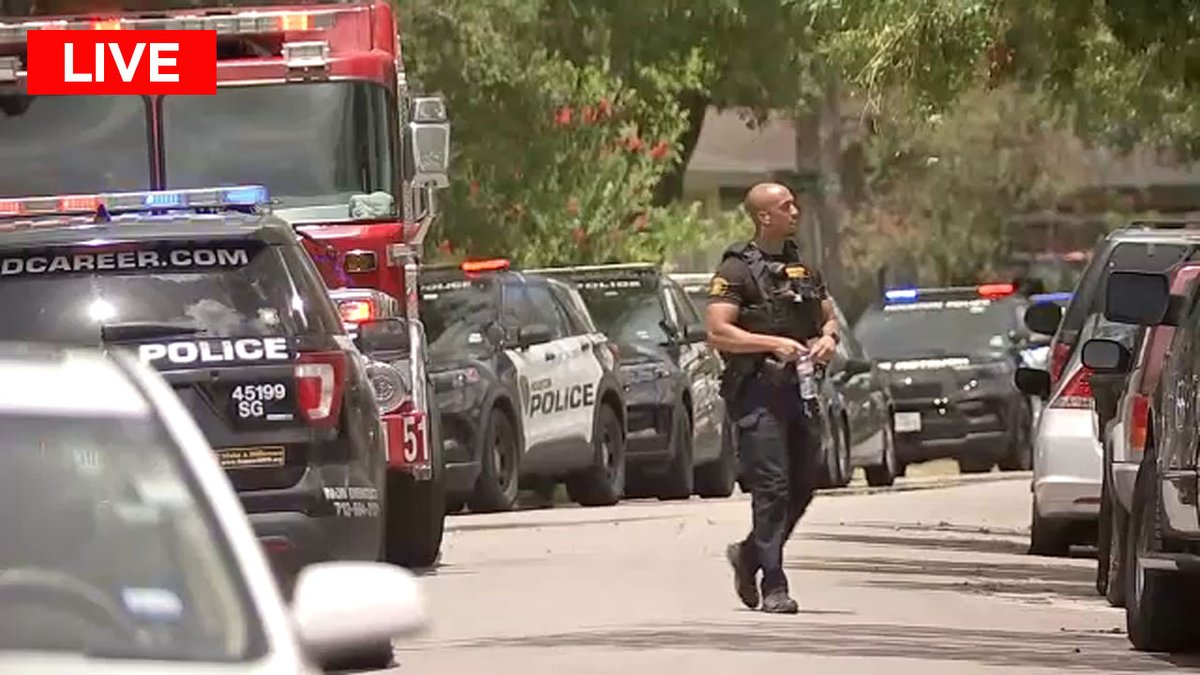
(526, 387)
(222, 299)
(671, 378)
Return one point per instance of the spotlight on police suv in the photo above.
(390, 385)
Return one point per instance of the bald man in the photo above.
(766, 308)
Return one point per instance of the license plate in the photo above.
(262, 403)
(906, 422)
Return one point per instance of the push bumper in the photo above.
(461, 437)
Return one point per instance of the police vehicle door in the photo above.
(578, 375)
(537, 366)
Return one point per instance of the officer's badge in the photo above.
(718, 286)
(797, 272)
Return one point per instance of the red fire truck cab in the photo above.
(313, 103)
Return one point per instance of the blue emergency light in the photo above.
(901, 295)
(1042, 298)
(240, 196)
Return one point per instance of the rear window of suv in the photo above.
(215, 288)
(1146, 256)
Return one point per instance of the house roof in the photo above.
(729, 144)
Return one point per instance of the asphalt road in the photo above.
(931, 577)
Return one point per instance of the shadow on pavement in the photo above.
(1067, 651)
(614, 520)
(1006, 578)
(980, 544)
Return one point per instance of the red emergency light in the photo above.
(356, 311)
(995, 290)
(492, 265)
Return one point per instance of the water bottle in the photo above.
(807, 376)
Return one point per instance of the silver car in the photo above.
(126, 550)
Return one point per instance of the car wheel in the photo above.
(716, 479)
(1103, 541)
(1157, 602)
(680, 478)
(499, 466)
(884, 473)
(1118, 529)
(1020, 453)
(1048, 537)
(416, 512)
(603, 483)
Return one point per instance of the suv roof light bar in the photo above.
(247, 22)
(148, 201)
(987, 291)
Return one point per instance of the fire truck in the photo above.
(312, 102)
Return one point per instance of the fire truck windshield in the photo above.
(71, 144)
(312, 145)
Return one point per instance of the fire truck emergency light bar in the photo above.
(242, 196)
(998, 290)
(247, 22)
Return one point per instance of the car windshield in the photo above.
(215, 289)
(325, 142)
(456, 315)
(627, 311)
(116, 558)
(73, 144)
(930, 329)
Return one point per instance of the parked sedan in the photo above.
(135, 554)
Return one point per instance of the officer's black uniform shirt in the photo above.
(734, 284)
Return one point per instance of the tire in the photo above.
(715, 480)
(499, 466)
(831, 446)
(1103, 542)
(1020, 453)
(1157, 603)
(416, 512)
(603, 483)
(1047, 537)
(845, 464)
(1114, 591)
(680, 478)
(884, 474)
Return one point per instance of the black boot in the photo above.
(743, 576)
(779, 602)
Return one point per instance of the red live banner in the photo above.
(133, 62)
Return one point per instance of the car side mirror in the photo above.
(533, 334)
(1140, 298)
(343, 609)
(1043, 319)
(1033, 382)
(1105, 356)
(383, 335)
(695, 333)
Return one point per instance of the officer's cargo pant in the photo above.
(779, 449)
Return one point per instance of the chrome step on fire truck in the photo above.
(312, 102)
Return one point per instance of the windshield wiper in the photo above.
(138, 330)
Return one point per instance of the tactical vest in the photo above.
(788, 305)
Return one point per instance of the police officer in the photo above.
(766, 308)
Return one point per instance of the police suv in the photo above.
(222, 299)
(949, 355)
(525, 384)
(671, 378)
